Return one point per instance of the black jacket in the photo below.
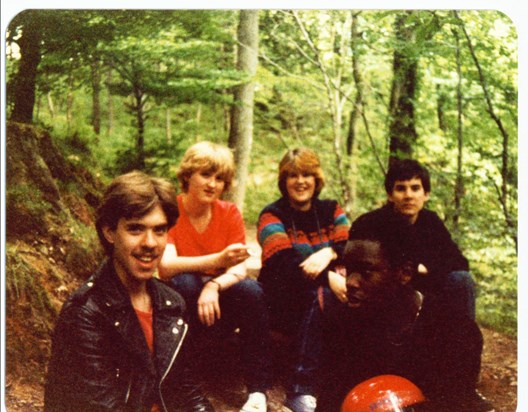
(441, 353)
(100, 360)
(427, 241)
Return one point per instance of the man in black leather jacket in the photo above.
(119, 343)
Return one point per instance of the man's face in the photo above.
(369, 279)
(408, 197)
(138, 245)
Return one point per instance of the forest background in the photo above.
(115, 90)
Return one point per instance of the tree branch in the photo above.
(491, 111)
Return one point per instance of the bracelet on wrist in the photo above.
(219, 289)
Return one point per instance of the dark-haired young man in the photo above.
(119, 342)
(388, 327)
(444, 269)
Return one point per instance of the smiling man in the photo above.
(444, 269)
(119, 342)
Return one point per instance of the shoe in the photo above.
(256, 403)
(301, 403)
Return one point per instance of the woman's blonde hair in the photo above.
(210, 157)
(301, 160)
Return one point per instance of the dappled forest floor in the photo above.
(226, 391)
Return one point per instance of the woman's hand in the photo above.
(337, 283)
(314, 264)
(208, 304)
(233, 254)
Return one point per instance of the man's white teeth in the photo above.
(146, 259)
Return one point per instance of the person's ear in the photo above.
(426, 196)
(406, 273)
(109, 234)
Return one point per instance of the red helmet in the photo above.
(383, 393)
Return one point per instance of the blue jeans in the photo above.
(243, 306)
(308, 346)
(459, 292)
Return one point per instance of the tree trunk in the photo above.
(402, 131)
(459, 183)
(333, 79)
(198, 120)
(139, 111)
(26, 77)
(38, 104)
(440, 108)
(355, 114)
(69, 102)
(503, 190)
(168, 129)
(241, 132)
(51, 106)
(110, 106)
(96, 96)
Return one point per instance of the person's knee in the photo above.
(187, 284)
(461, 279)
(249, 289)
(462, 291)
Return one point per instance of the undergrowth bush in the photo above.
(25, 210)
(23, 288)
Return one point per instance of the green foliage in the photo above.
(496, 276)
(183, 62)
(21, 287)
(25, 210)
(84, 252)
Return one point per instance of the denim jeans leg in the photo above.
(189, 286)
(460, 291)
(243, 305)
(308, 345)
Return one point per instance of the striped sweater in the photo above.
(288, 236)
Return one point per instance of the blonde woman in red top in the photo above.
(205, 262)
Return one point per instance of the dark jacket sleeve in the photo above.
(426, 242)
(442, 255)
(81, 375)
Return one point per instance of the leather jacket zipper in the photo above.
(185, 327)
(128, 390)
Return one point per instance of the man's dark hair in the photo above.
(134, 195)
(406, 169)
